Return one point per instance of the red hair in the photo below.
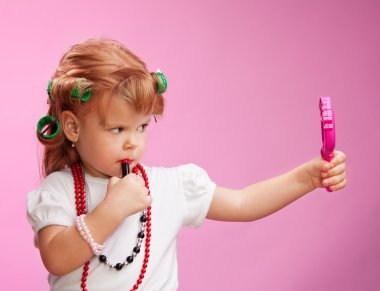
(105, 66)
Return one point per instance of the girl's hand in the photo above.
(126, 196)
(332, 174)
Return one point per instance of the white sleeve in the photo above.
(50, 207)
(199, 191)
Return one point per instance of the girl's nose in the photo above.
(131, 142)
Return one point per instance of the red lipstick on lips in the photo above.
(125, 167)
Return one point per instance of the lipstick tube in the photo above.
(124, 169)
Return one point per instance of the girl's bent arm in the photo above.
(63, 249)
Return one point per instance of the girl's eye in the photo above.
(142, 127)
(116, 130)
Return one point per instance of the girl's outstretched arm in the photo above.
(264, 198)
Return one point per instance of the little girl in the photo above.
(95, 224)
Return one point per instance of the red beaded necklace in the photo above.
(81, 207)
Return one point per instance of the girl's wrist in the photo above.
(108, 213)
(305, 178)
(85, 233)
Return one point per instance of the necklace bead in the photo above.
(102, 258)
(119, 266)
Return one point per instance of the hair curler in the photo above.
(328, 130)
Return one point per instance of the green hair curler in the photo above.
(161, 89)
(86, 94)
(47, 122)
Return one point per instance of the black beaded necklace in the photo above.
(136, 250)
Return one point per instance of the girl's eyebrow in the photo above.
(109, 123)
(114, 123)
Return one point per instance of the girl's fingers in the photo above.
(112, 181)
(339, 186)
(337, 170)
(335, 180)
(339, 157)
(141, 181)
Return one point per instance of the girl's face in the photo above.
(103, 144)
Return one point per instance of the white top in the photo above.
(181, 196)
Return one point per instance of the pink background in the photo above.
(244, 82)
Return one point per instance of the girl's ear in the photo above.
(70, 125)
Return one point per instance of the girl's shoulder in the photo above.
(184, 170)
(187, 187)
(55, 184)
(52, 203)
(190, 176)
(58, 180)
